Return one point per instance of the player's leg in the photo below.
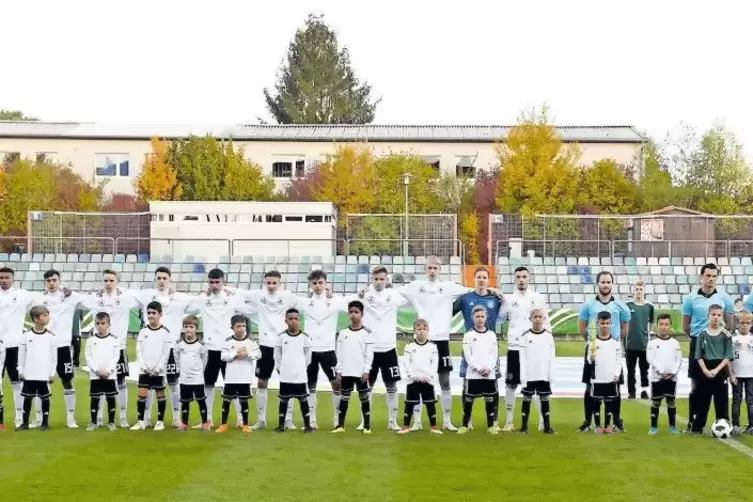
(643, 370)
(544, 392)
(469, 395)
(211, 374)
(229, 393)
(329, 363)
(264, 368)
(694, 373)
(391, 375)
(303, 400)
(244, 394)
(617, 415)
(284, 397)
(525, 408)
(376, 364)
(655, 406)
(445, 396)
(701, 404)
(199, 394)
(595, 404)
(76, 349)
(122, 373)
(111, 391)
(588, 405)
(144, 384)
(491, 411)
(748, 388)
(44, 390)
(2, 416)
(312, 374)
(28, 393)
(631, 360)
(172, 382)
(737, 399)
(462, 373)
(364, 395)
(721, 397)
(186, 396)
(95, 393)
(512, 380)
(609, 409)
(289, 425)
(158, 384)
(346, 387)
(412, 398)
(65, 372)
(429, 397)
(11, 369)
(672, 413)
(149, 406)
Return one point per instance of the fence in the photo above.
(379, 233)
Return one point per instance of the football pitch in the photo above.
(66, 464)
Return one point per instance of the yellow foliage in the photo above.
(604, 187)
(469, 230)
(390, 185)
(158, 179)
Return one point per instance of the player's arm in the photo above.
(21, 358)
(89, 356)
(278, 354)
(140, 351)
(651, 321)
(583, 318)
(650, 355)
(618, 359)
(162, 364)
(339, 355)
(678, 358)
(457, 306)
(729, 312)
(53, 361)
(229, 352)
(177, 348)
(468, 352)
(204, 354)
(494, 356)
(408, 362)
(194, 306)
(552, 360)
(112, 367)
(523, 354)
(624, 321)
(687, 314)
(2, 355)
(307, 350)
(368, 358)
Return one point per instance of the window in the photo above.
(282, 169)
(433, 161)
(464, 167)
(294, 218)
(274, 218)
(9, 157)
(314, 219)
(43, 157)
(112, 164)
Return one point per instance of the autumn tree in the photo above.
(317, 84)
(347, 179)
(605, 188)
(390, 185)
(656, 189)
(16, 115)
(456, 195)
(158, 179)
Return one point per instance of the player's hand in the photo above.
(228, 292)
(51, 379)
(171, 289)
(328, 291)
(733, 380)
(67, 292)
(362, 293)
(339, 377)
(365, 377)
(616, 379)
(709, 374)
(496, 293)
(243, 352)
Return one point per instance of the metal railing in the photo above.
(156, 246)
(58, 245)
(540, 247)
(441, 248)
(288, 247)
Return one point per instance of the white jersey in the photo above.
(118, 306)
(216, 310)
(14, 304)
(153, 349)
(62, 311)
(742, 365)
(517, 307)
(240, 370)
(190, 360)
(321, 314)
(482, 353)
(537, 356)
(663, 356)
(37, 356)
(380, 316)
(271, 310)
(608, 360)
(421, 361)
(433, 301)
(355, 352)
(102, 353)
(2, 359)
(174, 307)
(292, 357)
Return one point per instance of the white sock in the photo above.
(123, 401)
(445, 397)
(509, 404)
(209, 391)
(148, 406)
(289, 414)
(261, 405)
(238, 414)
(417, 412)
(312, 406)
(371, 407)
(392, 406)
(18, 402)
(69, 395)
(175, 401)
(336, 397)
(38, 407)
(537, 403)
(101, 412)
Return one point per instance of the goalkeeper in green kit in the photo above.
(642, 317)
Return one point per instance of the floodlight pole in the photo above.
(406, 183)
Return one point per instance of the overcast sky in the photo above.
(652, 64)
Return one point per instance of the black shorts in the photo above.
(122, 366)
(478, 388)
(621, 381)
(445, 360)
(512, 376)
(266, 365)
(420, 391)
(387, 364)
(586, 378)
(604, 390)
(172, 369)
(99, 388)
(663, 388)
(11, 364)
(36, 388)
(293, 390)
(65, 363)
(327, 360)
(189, 393)
(151, 382)
(540, 387)
(236, 390)
(214, 366)
(694, 371)
(347, 383)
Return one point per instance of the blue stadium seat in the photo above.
(743, 289)
(143, 258)
(198, 268)
(3, 257)
(362, 269)
(583, 270)
(586, 279)
(573, 270)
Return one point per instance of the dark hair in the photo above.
(604, 315)
(102, 316)
(37, 311)
(317, 274)
(238, 318)
(163, 270)
(292, 311)
(216, 273)
(7, 270)
(604, 272)
(520, 269)
(379, 270)
(715, 306)
(108, 271)
(272, 273)
(51, 273)
(664, 316)
(355, 304)
(156, 306)
(709, 266)
(738, 299)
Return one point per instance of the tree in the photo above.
(16, 115)
(655, 184)
(347, 178)
(605, 188)
(317, 85)
(469, 230)
(484, 205)
(243, 179)
(390, 182)
(158, 179)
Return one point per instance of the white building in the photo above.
(116, 152)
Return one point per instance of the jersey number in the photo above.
(446, 360)
(68, 367)
(394, 371)
(171, 368)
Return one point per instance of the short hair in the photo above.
(36, 311)
(379, 270)
(7, 270)
(216, 274)
(520, 269)
(102, 316)
(715, 306)
(292, 311)
(639, 283)
(317, 274)
(51, 273)
(604, 315)
(192, 320)
(109, 271)
(602, 273)
(420, 321)
(664, 315)
(154, 305)
(537, 309)
(355, 304)
(272, 273)
(163, 270)
(478, 308)
(238, 318)
(433, 260)
(738, 299)
(744, 314)
(480, 268)
(709, 266)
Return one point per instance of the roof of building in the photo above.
(349, 133)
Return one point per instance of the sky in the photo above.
(651, 64)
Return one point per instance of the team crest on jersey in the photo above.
(101, 303)
(421, 290)
(264, 300)
(515, 304)
(329, 304)
(489, 304)
(311, 303)
(370, 299)
(279, 302)
(440, 291)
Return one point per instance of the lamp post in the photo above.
(406, 183)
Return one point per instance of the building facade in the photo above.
(116, 153)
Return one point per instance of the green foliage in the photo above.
(655, 184)
(317, 85)
(390, 187)
(16, 115)
(605, 188)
